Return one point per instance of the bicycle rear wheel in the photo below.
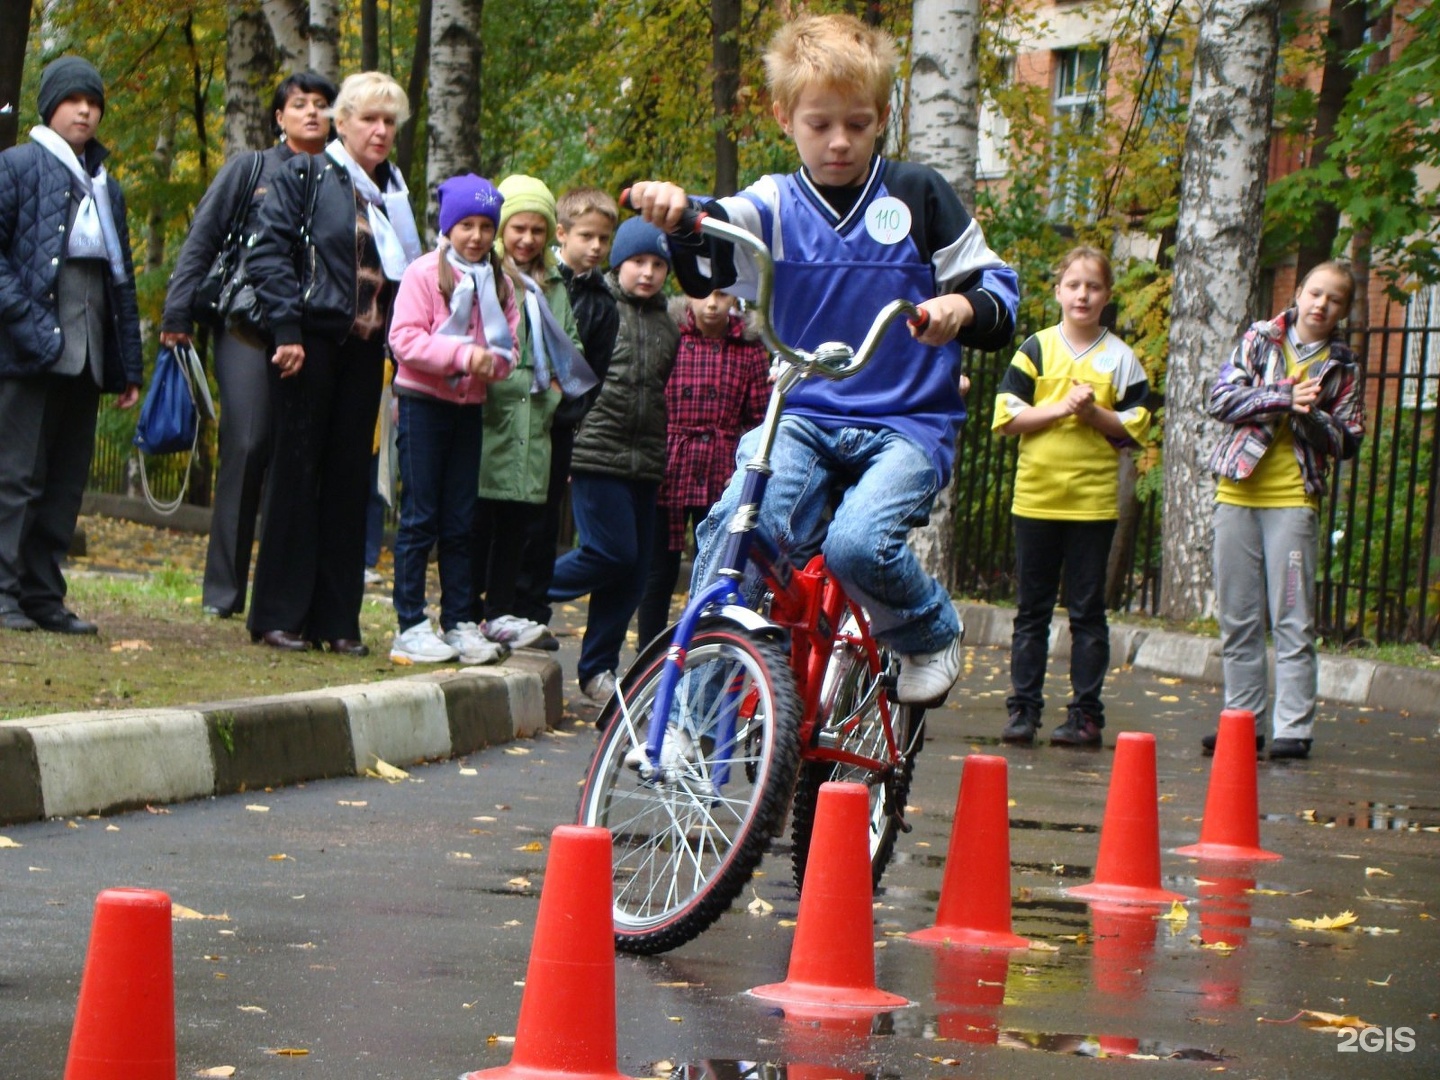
(851, 719)
(687, 838)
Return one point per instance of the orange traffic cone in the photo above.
(1128, 868)
(832, 962)
(975, 895)
(125, 1020)
(1231, 826)
(567, 1014)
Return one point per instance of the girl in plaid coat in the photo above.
(718, 390)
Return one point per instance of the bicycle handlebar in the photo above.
(832, 360)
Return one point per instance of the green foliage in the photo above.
(1388, 133)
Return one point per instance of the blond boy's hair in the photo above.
(1340, 269)
(836, 51)
(371, 89)
(577, 202)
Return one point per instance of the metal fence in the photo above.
(1379, 578)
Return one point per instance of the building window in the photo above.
(1078, 103)
(1422, 348)
(993, 151)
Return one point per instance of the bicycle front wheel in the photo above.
(853, 719)
(689, 830)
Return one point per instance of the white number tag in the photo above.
(887, 220)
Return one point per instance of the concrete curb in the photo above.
(1342, 679)
(86, 763)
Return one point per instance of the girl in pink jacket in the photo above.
(453, 331)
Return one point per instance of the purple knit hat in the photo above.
(465, 196)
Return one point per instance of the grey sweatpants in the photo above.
(1266, 558)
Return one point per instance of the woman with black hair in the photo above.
(301, 108)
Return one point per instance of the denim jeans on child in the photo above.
(439, 449)
(1265, 558)
(886, 485)
(1044, 549)
(615, 518)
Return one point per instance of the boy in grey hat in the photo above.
(69, 330)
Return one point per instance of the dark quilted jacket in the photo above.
(34, 214)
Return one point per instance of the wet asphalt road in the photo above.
(385, 928)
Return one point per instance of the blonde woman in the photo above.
(336, 234)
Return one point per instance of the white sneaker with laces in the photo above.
(925, 678)
(599, 688)
(473, 646)
(420, 644)
(676, 750)
(514, 631)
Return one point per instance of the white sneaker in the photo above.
(514, 631)
(473, 646)
(373, 576)
(599, 688)
(676, 750)
(421, 645)
(925, 678)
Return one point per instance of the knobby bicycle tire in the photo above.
(684, 843)
(851, 687)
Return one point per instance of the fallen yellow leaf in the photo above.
(533, 845)
(1325, 922)
(250, 1008)
(287, 1051)
(383, 770)
(1177, 914)
(1320, 1021)
(278, 858)
(256, 808)
(218, 1070)
(131, 645)
(1043, 946)
(519, 883)
(1375, 871)
(180, 911)
(759, 906)
(6, 842)
(1220, 947)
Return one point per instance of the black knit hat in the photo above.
(65, 76)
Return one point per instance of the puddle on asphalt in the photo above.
(1384, 817)
(717, 1069)
(1052, 826)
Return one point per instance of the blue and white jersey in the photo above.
(907, 235)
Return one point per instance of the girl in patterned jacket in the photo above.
(1291, 398)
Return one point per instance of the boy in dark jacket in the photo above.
(69, 330)
(586, 220)
(620, 459)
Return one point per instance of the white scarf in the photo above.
(93, 236)
(555, 354)
(391, 220)
(472, 281)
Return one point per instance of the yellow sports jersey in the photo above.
(1276, 481)
(1068, 470)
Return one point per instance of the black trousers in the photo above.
(243, 374)
(654, 613)
(1044, 550)
(310, 572)
(48, 426)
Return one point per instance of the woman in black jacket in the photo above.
(301, 108)
(336, 233)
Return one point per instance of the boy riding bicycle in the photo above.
(849, 231)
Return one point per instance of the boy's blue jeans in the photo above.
(886, 486)
(439, 447)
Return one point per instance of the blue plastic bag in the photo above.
(167, 423)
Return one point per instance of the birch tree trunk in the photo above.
(289, 21)
(323, 32)
(252, 67)
(454, 98)
(14, 14)
(1222, 200)
(945, 134)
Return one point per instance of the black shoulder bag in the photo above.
(205, 301)
(245, 316)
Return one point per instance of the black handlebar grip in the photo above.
(690, 218)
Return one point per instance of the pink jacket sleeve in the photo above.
(419, 309)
